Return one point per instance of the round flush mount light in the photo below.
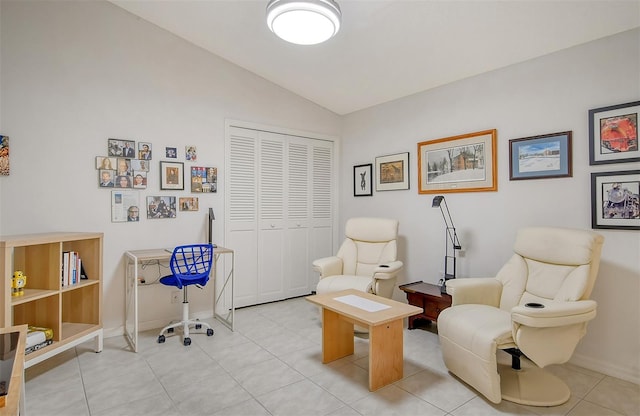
(304, 22)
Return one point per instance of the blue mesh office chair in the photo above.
(190, 265)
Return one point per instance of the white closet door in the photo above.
(280, 209)
(299, 191)
(271, 214)
(241, 210)
(322, 205)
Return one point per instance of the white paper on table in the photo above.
(362, 303)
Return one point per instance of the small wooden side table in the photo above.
(428, 297)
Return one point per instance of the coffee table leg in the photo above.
(385, 354)
(337, 336)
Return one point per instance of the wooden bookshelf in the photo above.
(73, 312)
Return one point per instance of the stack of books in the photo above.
(38, 337)
(72, 270)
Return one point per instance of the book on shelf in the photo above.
(38, 337)
(36, 347)
(72, 270)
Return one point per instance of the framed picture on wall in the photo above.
(392, 172)
(204, 179)
(465, 163)
(362, 180)
(125, 206)
(615, 200)
(613, 134)
(171, 175)
(536, 157)
(189, 204)
(161, 207)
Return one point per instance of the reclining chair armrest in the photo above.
(554, 314)
(387, 270)
(328, 266)
(482, 290)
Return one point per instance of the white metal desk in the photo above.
(134, 258)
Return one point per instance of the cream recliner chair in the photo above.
(366, 261)
(536, 308)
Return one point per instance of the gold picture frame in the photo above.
(464, 163)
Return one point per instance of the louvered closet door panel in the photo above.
(271, 212)
(322, 203)
(280, 212)
(241, 213)
(299, 183)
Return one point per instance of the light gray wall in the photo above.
(77, 73)
(545, 95)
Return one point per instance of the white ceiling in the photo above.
(388, 49)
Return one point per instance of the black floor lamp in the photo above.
(451, 243)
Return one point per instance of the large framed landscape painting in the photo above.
(464, 163)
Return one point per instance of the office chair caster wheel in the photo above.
(187, 342)
(198, 326)
(161, 339)
(209, 332)
(170, 330)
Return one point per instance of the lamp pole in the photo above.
(451, 238)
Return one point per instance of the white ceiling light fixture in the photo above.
(304, 22)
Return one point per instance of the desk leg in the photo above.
(337, 336)
(385, 354)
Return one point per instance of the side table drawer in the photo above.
(433, 308)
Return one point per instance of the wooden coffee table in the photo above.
(382, 316)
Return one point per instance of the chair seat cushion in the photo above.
(477, 328)
(171, 280)
(344, 282)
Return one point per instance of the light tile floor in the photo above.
(271, 365)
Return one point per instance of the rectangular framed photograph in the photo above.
(122, 148)
(144, 151)
(362, 180)
(392, 172)
(161, 207)
(171, 175)
(204, 179)
(103, 162)
(189, 204)
(4, 155)
(125, 206)
(465, 163)
(615, 200)
(613, 134)
(536, 157)
(106, 178)
(139, 179)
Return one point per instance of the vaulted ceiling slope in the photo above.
(388, 49)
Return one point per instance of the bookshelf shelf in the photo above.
(74, 312)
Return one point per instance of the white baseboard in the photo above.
(623, 373)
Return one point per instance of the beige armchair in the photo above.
(536, 309)
(366, 261)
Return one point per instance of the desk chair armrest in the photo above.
(483, 290)
(554, 314)
(328, 266)
(387, 270)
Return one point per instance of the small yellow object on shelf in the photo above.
(18, 282)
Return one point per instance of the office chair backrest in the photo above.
(191, 264)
